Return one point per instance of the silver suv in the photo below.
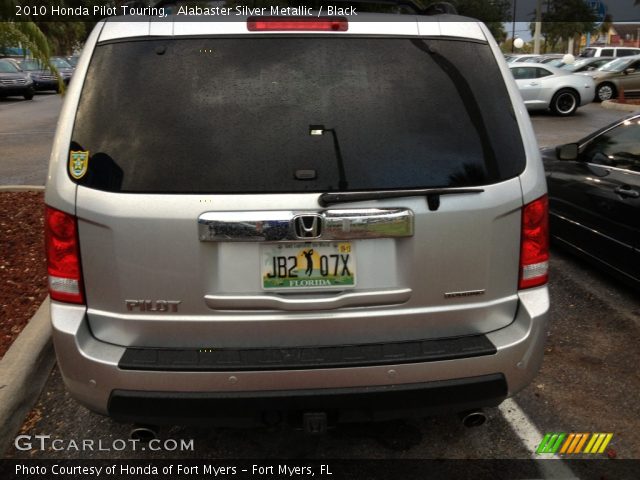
(281, 219)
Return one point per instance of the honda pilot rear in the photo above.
(264, 217)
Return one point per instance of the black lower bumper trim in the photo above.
(345, 404)
(303, 358)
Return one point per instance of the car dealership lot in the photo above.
(586, 383)
(26, 134)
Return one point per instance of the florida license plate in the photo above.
(301, 266)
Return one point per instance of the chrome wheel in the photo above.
(605, 92)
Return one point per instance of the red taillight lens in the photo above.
(63, 258)
(534, 249)
(322, 24)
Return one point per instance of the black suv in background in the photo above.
(14, 82)
(43, 79)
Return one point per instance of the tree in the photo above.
(566, 19)
(492, 12)
(64, 37)
(26, 34)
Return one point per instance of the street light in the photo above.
(513, 28)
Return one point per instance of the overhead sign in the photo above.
(600, 10)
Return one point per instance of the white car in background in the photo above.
(544, 87)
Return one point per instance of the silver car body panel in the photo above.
(537, 93)
(120, 226)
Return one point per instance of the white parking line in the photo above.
(531, 437)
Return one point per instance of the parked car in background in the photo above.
(620, 73)
(554, 62)
(549, 58)
(64, 67)
(609, 52)
(73, 60)
(14, 82)
(519, 58)
(43, 78)
(544, 87)
(594, 197)
(584, 64)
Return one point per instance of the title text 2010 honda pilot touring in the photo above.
(277, 218)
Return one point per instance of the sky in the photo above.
(620, 10)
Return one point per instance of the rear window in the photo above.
(626, 53)
(234, 115)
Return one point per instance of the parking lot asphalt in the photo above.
(26, 135)
(551, 130)
(586, 384)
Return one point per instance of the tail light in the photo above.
(534, 248)
(322, 24)
(63, 256)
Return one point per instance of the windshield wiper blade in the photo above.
(432, 194)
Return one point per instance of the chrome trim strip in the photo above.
(309, 302)
(596, 259)
(595, 232)
(275, 226)
(617, 169)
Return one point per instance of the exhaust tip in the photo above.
(473, 418)
(143, 433)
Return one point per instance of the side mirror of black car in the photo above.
(567, 152)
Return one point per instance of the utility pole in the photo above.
(538, 29)
(513, 27)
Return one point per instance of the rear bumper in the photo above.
(43, 85)
(340, 405)
(92, 372)
(16, 91)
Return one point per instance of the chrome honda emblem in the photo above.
(307, 226)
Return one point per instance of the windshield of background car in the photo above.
(30, 65)
(8, 67)
(572, 67)
(617, 65)
(234, 115)
(588, 52)
(59, 63)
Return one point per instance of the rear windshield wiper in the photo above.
(432, 194)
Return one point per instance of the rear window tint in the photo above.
(233, 115)
(624, 53)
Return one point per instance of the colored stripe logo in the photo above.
(573, 443)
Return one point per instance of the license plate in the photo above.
(302, 266)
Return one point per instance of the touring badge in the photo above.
(78, 163)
